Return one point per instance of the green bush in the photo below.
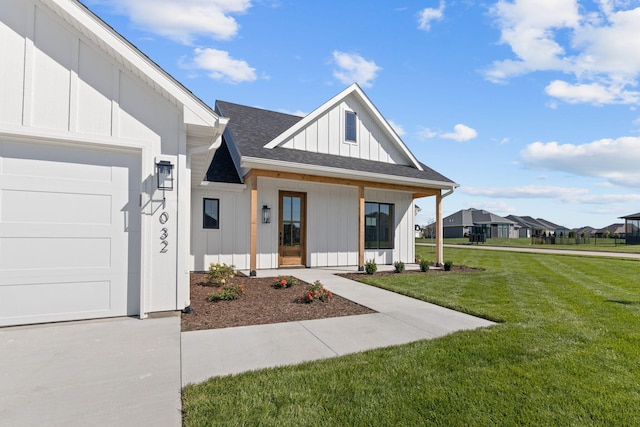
(316, 293)
(398, 266)
(370, 267)
(284, 282)
(227, 293)
(220, 274)
(448, 265)
(424, 265)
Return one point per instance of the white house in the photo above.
(116, 181)
(334, 188)
(84, 120)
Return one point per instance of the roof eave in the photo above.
(279, 165)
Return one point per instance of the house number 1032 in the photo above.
(164, 232)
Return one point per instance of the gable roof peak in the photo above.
(353, 89)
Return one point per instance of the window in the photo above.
(211, 213)
(350, 133)
(378, 225)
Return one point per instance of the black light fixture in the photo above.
(266, 214)
(164, 173)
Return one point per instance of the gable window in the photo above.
(211, 213)
(379, 225)
(350, 133)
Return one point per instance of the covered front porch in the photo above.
(311, 220)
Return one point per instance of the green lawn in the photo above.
(604, 245)
(566, 353)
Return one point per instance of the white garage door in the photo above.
(69, 233)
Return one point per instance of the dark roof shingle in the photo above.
(252, 128)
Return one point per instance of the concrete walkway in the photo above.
(399, 320)
(127, 372)
(112, 372)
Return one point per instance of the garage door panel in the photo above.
(54, 253)
(55, 208)
(50, 300)
(69, 233)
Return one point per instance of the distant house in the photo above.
(584, 231)
(613, 230)
(632, 229)
(537, 227)
(476, 221)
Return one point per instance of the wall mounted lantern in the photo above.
(164, 173)
(266, 214)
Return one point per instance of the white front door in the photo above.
(69, 232)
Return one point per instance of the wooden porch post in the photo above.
(361, 228)
(439, 230)
(253, 255)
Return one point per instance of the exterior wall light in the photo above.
(266, 214)
(164, 173)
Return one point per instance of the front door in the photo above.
(292, 227)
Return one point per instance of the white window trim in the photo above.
(344, 126)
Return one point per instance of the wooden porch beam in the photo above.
(416, 191)
(252, 183)
(439, 231)
(360, 228)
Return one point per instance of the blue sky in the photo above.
(530, 105)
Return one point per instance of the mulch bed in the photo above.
(261, 304)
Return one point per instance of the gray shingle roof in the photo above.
(470, 217)
(251, 128)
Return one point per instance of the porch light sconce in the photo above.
(266, 214)
(164, 174)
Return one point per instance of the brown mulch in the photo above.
(261, 304)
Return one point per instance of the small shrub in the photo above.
(316, 293)
(424, 265)
(370, 267)
(227, 293)
(219, 274)
(284, 282)
(448, 265)
(418, 259)
(398, 266)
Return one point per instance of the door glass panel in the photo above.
(286, 234)
(291, 221)
(286, 208)
(295, 208)
(295, 234)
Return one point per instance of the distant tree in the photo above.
(607, 233)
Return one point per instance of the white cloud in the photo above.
(428, 15)
(496, 206)
(615, 160)
(354, 68)
(220, 66)
(525, 192)
(426, 133)
(294, 113)
(184, 20)
(398, 128)
(460, 133)
(593, 93)
(572, 195)
(598, 47)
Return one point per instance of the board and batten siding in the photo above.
(332, 223)
(59, 84)
(326, 135)
(230, 243)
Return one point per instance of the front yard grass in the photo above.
(567, 352)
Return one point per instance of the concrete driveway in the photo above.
(113, 372)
